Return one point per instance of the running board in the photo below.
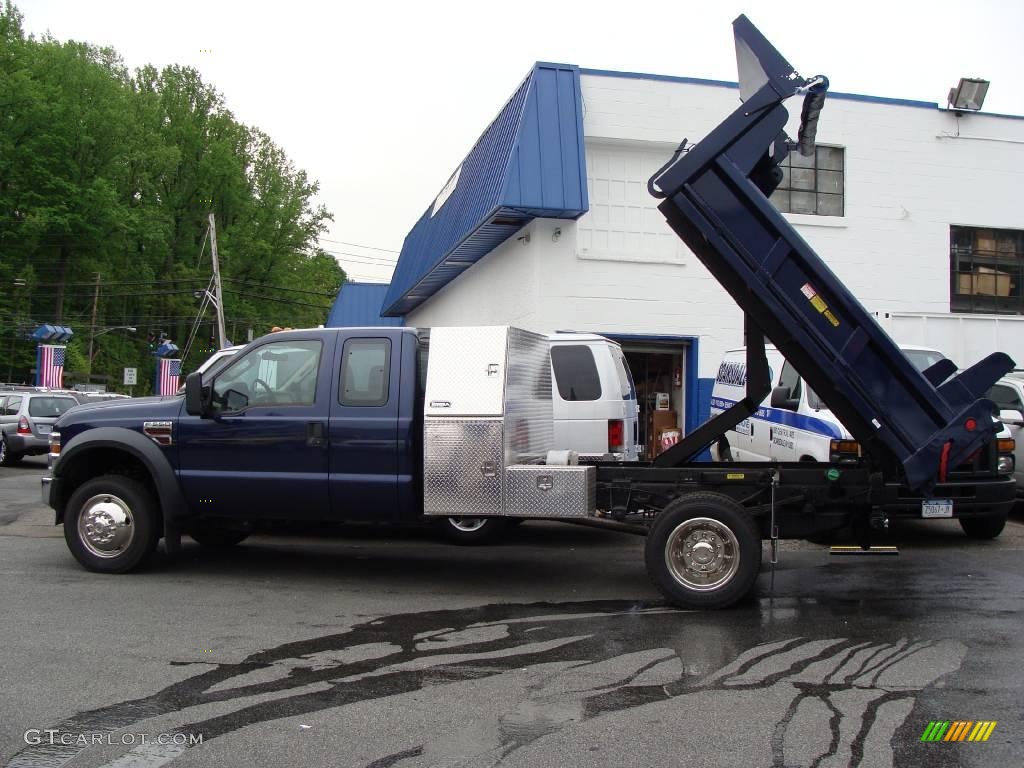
(855, 550)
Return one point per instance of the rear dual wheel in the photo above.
(703, 551)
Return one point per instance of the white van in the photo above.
(798, 428)
(592, 393)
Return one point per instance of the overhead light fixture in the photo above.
(969, 94)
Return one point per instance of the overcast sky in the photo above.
(380, 101)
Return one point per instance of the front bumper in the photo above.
(46, 483)
(971, 498)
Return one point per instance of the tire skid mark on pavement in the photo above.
(614, 656)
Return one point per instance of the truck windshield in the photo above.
(923, 359)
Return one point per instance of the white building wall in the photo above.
(500, 289)
(620, 268)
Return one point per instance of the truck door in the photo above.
(263, 454)
(364, 427)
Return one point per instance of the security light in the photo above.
(969, 94)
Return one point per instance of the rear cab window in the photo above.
(575, 372)
(50, 407)
(365, 372)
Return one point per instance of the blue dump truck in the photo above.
(393, 425)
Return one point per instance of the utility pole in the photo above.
(218, 295)
(92, 323)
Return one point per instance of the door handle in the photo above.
(315, 434)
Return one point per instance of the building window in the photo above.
(986, 269)
(812, 185)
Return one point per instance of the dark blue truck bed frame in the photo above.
(716, 199)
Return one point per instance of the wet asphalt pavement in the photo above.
(389, 648)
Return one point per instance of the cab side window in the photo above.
(1005, 398)
(365, 372)
(790, 379)
(275, 374)
(12, 407)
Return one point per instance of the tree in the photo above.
(111, 173)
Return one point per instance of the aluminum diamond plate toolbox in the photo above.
(538, 491)
(466, 371)
(488, 406)
(462, 467)
(529, 415)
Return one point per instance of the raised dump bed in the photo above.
(716, 199)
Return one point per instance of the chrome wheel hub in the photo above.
(702, 554)
(105, 526)
(467, 524)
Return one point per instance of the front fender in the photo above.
(172, 501)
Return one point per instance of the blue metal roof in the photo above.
(528, 163)
(358, 304)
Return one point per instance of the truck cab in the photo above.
(315, 425)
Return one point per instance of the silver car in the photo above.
(26, 419)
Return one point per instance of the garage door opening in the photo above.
(659, 373)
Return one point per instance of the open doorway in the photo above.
(659, 373)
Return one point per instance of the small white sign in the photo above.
(131, 376)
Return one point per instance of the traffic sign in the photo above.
(131, 376)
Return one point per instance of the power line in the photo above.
(359, 245)
(268, 286)
(361, 257)
(276, 301)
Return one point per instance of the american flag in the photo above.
(167, 373)
(50, 366)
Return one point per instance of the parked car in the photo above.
(1008, 395)
(593, 397)
(26, 419)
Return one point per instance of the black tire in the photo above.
(7, 457)
(482, 530)
(724, 527)
(102, 498)
(218, 538)
(985, 527)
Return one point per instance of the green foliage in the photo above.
(110, 172)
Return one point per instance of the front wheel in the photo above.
(703, 551)
(111, 524)
(473, 530)
(986, 527)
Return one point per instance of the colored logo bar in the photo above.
(958, 730)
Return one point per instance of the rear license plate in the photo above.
(937, 508)
(43, 429)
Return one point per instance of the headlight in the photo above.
(1004, 465)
